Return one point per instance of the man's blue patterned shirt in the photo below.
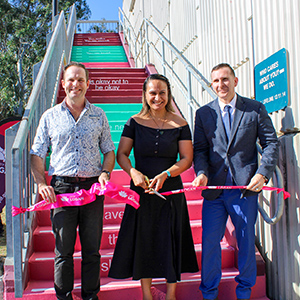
(75, 145)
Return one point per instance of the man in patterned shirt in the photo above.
(76, 131)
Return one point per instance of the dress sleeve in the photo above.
(185, 133)
(129, 129)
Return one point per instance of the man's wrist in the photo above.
(107, 172)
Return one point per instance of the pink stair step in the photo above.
(113, 213)
(127, 289)
(108, 99)
(195, 209)
(120, 177)
(108, 91)
(43, 218)
(102, 88)
(125, 79)
(41, 264)
(107, 65)
(117, 84)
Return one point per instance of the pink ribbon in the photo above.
(222, 187)
(83, 197)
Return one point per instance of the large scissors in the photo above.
(153, 190)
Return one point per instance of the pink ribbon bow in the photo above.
(83, 197)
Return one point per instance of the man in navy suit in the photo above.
(225, 153)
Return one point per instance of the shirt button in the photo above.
(155, 151)
(157, 136)
(156, 143)
(225, 169)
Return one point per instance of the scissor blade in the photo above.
(159, 195)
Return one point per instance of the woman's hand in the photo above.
(158, 181)
(138, 178)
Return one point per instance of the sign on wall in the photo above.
(271, 81)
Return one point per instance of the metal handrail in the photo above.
(280, 199)
(138, 41)
(43, 92)
(88, 26)
(141, 38)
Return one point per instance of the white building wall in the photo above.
(244, 33)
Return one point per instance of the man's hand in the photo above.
(103, 178)
(256, 184)
(200, 180)
(47, 192)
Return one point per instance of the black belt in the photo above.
(74, 179)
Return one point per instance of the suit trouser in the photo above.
(243, 213)
(65, 220)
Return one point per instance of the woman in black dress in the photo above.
(155, 241)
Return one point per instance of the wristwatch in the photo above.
(266, 179)
(107, 172)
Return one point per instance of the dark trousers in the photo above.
(65, 220)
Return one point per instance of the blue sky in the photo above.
(107, 9)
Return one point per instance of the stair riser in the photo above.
(107, 65)
(113, 91)
(112, 99)
(44, 241)
(44, 269)
(91, 43)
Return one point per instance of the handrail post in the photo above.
(142, 52)
(163, 57)
(17, 225)
(190, 108)
(147, 44)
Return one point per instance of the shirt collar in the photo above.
(232, 103)
(86, 107)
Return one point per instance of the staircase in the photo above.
(117, 89)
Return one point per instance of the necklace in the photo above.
(159, 127)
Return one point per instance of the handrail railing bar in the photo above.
(97, 21)
(42, 92)
(280, 201)
(181, 85)
(57, 84)
(28, 114)
(204, 82)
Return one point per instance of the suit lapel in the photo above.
(240, 107)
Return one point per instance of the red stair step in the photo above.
(113, 99)
(127, 289)
(109, 91)
(97, 39)
(106, 64)
(41, 264)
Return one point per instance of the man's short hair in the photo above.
(223, 65)
(76, 64)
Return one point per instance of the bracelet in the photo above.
(168, 173)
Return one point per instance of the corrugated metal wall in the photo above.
(244, 33)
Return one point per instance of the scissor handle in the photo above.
(147, 181)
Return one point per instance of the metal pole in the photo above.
(54, 12)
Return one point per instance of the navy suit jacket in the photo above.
(214, 154)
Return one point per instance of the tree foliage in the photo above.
(24, 25)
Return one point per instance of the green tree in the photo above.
(24, 25)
